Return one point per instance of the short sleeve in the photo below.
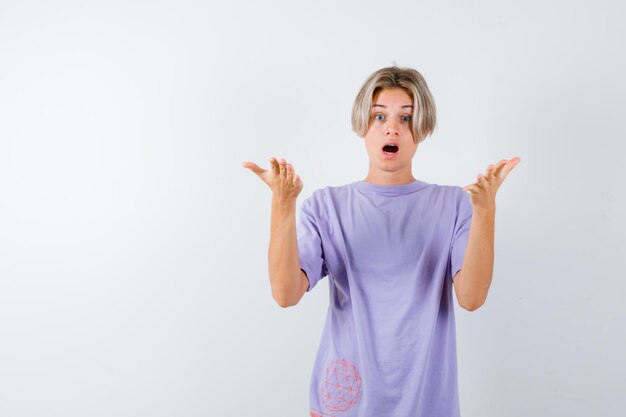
(310, 250)
(461, 232)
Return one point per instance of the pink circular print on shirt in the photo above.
(341, 388)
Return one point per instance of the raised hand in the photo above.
(483, 191)
(281, 178)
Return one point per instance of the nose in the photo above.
(392, 128)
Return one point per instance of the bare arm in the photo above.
(474, 279)
(288, 281)
(286, 277)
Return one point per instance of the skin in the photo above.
(288, 281)
(483, 191)
(390, 123)
(471, 283)
(281, 178)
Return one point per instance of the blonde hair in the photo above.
(424, 111)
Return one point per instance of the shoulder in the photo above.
(322, 198)
(450, 192)
(444, 187)
(449, 198)
(330, 192)
(460, 197)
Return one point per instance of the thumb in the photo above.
(253, 167)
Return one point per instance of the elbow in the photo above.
(472, 306)
(284, 304)
(289, 295)
(284, 301)
(472, 303)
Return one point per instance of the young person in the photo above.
(393, 248)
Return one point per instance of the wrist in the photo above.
(484, 212)
(283, 203)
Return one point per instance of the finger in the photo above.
(290, 172)
(254, 167)
(274, 165)
(490, 174)
(297, 180)
(498, 169)
(508, 167)
(283, 166)
(472, 188)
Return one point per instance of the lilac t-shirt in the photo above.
(388, 346)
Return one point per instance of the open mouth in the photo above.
(390, 148)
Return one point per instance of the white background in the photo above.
(133, 245)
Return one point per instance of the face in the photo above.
(390, 124)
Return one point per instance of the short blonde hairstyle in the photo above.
(424, 111)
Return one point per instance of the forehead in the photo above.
(392, 97)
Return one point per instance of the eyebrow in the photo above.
(383, 106)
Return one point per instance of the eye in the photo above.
(378, 114)
(406, 118)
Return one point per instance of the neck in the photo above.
(380, 177)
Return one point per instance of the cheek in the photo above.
(370, 146)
